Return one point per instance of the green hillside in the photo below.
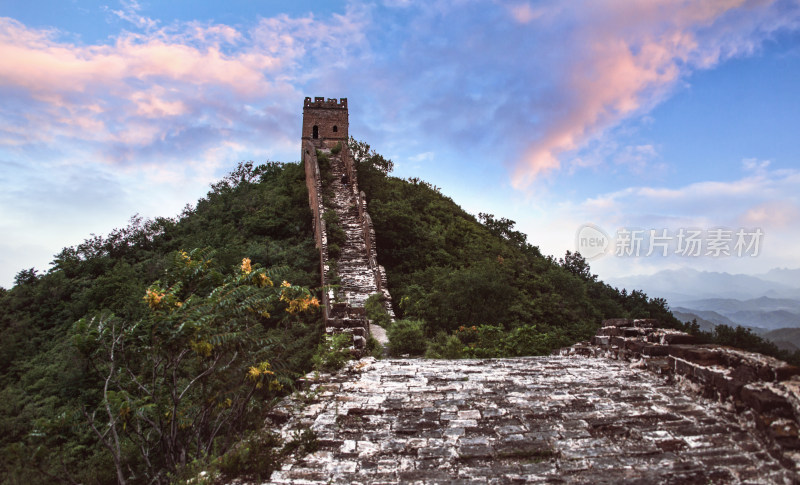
(53, 371)
(451, 270)
(149, 353)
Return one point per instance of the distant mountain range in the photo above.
(768, 303)
(684, 285)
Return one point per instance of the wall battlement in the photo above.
(321, 102)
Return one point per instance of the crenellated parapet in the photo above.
(321, 102)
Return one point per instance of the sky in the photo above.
(649, 135)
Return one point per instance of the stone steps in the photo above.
(357, 278)
(357, 275)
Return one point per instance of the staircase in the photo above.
(357, 278)
(357, 273)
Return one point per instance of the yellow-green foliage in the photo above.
(51, 371)
(193, 369)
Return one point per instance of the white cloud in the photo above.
(769, 202)
(130, 13)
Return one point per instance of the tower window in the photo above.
(315, 133)
(335, 128)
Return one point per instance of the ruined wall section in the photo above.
(356, 272)
(762, 390)
(314, 185)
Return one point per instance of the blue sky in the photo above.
(662, 115)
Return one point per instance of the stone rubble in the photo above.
(762, 390)
(558, 419)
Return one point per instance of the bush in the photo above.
(445, 346)
(332, 352)
(407, 337)
(374, 348)
(526, 340)
(334, 251)
(376, 311)
(336, 149)
(336, 235)
(256, 457)
(494, 341)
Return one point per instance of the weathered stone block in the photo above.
(609, 331)
(763, 399)
(601, 340)
(697, 355)
(634, 346)
(786, 433)
(786, 372)
(659, 366)
(655, 350)
(646, 323)
(683, 367)
(631, 332)
(678, 338)
(618, 322)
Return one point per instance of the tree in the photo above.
(503, 228)
(366, 157)
(577, 265)
(187, 374)
(26, 277)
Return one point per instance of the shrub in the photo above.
(526, 340)
(445, 346)
(336, 149)
(336, 234)
(376, 311)
(334, 251)
(332, 352)
(374, 348)
(407, 337)
(256, 457)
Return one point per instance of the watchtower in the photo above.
(325, 121)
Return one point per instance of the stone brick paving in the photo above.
(527, 420)
(357, 278)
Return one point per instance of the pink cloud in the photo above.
(143, 88)
(524, 13)
(772, 214)
(35, 61)
(625, 57)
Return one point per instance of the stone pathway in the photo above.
(525, 420)
(379, 333)
(357, 279)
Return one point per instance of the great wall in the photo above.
(351, 275)
(638, 404)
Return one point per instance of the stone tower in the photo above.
(325, 122)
